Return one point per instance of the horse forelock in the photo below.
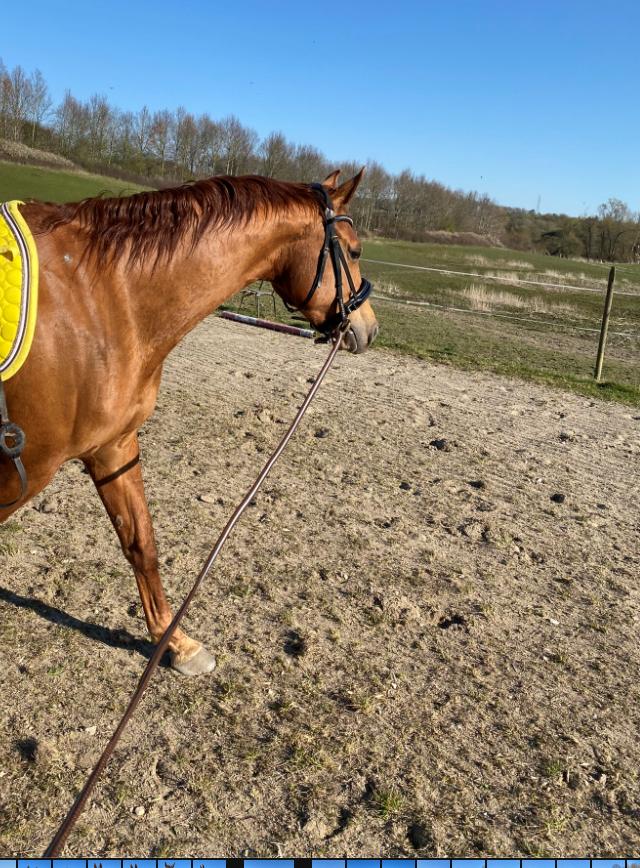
(149, 227)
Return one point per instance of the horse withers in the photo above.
(122, 281)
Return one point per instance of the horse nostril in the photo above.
(373, 334)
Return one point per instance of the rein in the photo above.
(335, 330)
(70, 820)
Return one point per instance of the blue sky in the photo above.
(524, 101)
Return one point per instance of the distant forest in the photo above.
(164, 147)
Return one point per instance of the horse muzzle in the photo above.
(359, 337)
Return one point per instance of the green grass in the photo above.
(540, 334)
(54, 185)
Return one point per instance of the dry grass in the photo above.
(477, 260)
(481, 261)
(24, 154)
(387, 287)
(556, 277)
(561, 277)
(518, 263)
(481, 297)
(510, 276)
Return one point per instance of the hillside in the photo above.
(19, 181)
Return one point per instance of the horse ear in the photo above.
(344, 193)
(331, 180)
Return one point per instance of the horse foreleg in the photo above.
(118, 478)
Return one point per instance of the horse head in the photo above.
(320, 275)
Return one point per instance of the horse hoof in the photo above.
(199, 664)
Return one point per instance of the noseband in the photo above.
(333, 249)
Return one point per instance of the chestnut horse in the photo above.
(122, 281)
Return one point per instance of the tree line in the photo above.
(164, 147)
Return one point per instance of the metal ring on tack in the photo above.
(14, 432)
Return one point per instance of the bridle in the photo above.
(333, 249)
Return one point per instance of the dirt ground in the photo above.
(426, 627)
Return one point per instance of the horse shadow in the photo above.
(105, 635)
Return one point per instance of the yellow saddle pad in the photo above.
(18, 289)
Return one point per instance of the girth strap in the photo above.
(12, 442)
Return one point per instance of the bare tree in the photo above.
(276, 156)
(373, 197)
(238, 144)
(39, 103)
(210, 136)
(613, 214)
(71, 122)
(142, 131)
(310, 164)
(99, 121)
(18, 96)
(160, 135)
(186, 145)
(124, 124)
(4, 99)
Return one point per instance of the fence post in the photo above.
(605, 324)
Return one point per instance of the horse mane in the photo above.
(150, 226)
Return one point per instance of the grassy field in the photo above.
(52, 185)
(549, 335)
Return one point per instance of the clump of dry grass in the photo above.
(511, 276)
(477, 259)
(386, 287)
(481, 297)
(20, 153)
(561, 277)
(518, 263)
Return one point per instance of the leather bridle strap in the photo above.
(332, 249)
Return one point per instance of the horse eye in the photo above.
(355, 254)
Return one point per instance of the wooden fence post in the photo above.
(605, 324)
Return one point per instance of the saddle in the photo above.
(18, 312)
(18, 289)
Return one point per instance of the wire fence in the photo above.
(535, 334)
(516, 282)
(509, 280)
(574, 323)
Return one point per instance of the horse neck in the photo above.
(172, 298)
